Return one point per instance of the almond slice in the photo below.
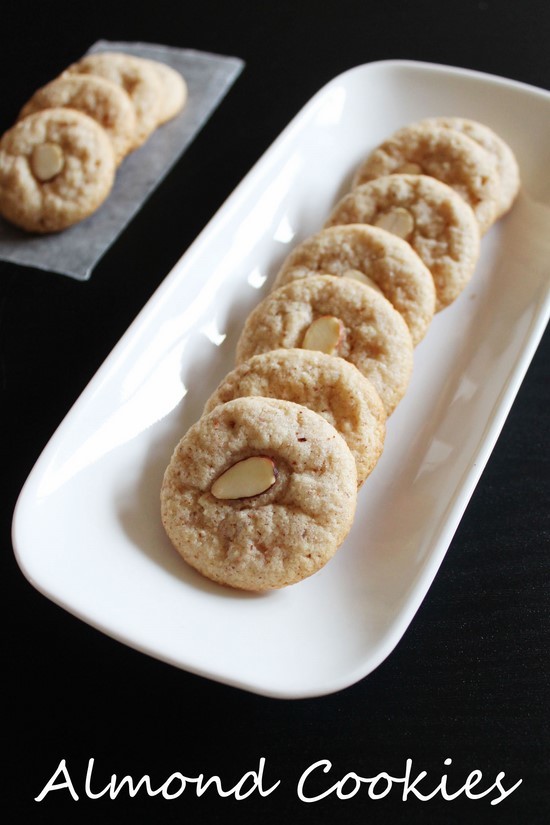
(357, 275)
(410, 169)
(324, 334)
(398, 221)
(47, 161)
(246, 478)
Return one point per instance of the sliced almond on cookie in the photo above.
(47, 161)
(410, 169)
(324, 334)
(398, 221)
(246, 478)
(357, 275)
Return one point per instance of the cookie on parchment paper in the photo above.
(57, 166)
(174, 91)
(330, 386)
(338, 316)
(374, 256)
(104, 101)
(137, 77)
(259, 493)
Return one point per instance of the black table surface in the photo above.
(468, 682)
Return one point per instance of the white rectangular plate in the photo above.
(86, 528)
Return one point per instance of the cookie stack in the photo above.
(261, 491)
(58, 162)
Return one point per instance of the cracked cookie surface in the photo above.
(100, 99)
(507, 165)
(442, 229)
(374, 336)
(174, 91)
(330, 386)
(280, 536)
(388, 261)
(445, 154)
(139, 80)
(57, 166)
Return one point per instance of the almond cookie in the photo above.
(429, 215)
(56, 167)
(139, 80)
(508, 169)
(174, 91)
(376, 257)
(259, 493)
(102, 100)
(338, 316)
(445, 154)
(330, 386)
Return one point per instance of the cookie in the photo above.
(338, 316)
(445, 154)
(174, 91)
(330, 386)
(105, 102)
(138, 79)
(429, 215)
(259, 494)
(56, 167)
(507, 165)
(374, 256)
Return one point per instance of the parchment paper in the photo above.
(75, 251)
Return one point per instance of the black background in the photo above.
(469, 680)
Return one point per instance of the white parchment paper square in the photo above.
(75, 251)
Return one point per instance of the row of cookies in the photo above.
(255, 504)
(410, 238)
(410, 230)
(261, 491)
(58, 162)
(439, 184)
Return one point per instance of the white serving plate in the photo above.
(86, 530)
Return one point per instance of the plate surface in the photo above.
(86, 529)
